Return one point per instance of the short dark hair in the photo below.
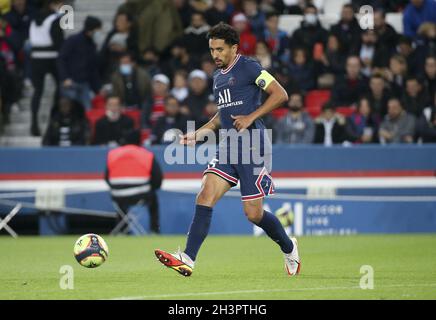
(329, 105)
(224, 32)
(132, 136)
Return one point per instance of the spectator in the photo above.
(330, 127)
(263, 55)
(247, 39)
(110, 129)
(351, 86)
(414, 97)
(131, 83)
(209, 67)
(150, 62)
(386, 34)
(347, 29)
(180, 89)
(426, 124)
(46, 38)
(164, 131)
(209, 112)
(330, 63)
(255, 16)
(296, 127)
(406, 49)
(66, 128)
(398, 126)
(195, 36)
(159, 22)
(194, 104)
(363, 124)
(19, 19)
(78, 63)
(416, 13)
(430, 75)
(133, 176)
(180, 59)
(372, 53)
(378, 96)
(218, 12)
(427, 42)
(310, 32)
(185, 10)
(276, 39)
(121, 39)
(396, 74)
(160, 91)
(302, 70)
(8, 79)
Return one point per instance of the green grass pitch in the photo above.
(228, 267)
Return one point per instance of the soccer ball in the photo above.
(91, 250)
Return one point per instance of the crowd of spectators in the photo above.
(156, 60)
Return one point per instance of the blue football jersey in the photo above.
(236, 92)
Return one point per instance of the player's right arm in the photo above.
(191, 138)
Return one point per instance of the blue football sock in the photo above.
(274, 229)
(198, 230)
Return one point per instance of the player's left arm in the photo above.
(277, 95)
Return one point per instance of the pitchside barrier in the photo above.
(319, 191)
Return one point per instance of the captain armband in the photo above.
(264, 80)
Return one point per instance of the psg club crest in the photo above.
(232, 81)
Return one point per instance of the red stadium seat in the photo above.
(315, 100)
(94, 115)
(279, 113)
(345, 111)
(98, 102)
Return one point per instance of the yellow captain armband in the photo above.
(264, 80)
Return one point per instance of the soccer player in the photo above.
(237, 86)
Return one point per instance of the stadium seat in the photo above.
(98, 102)
(94, 115)
(314, 101)
(327, 20)
(135, 115)
(279, 113)
(396, 21)
(290, 22)
(334, 6)
(346, 111)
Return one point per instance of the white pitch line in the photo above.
(193, 294)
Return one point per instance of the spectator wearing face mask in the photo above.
(131, 83)
(310, 32)
(297, 127)
(123, 38)
(111, 128)
(78, 63)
